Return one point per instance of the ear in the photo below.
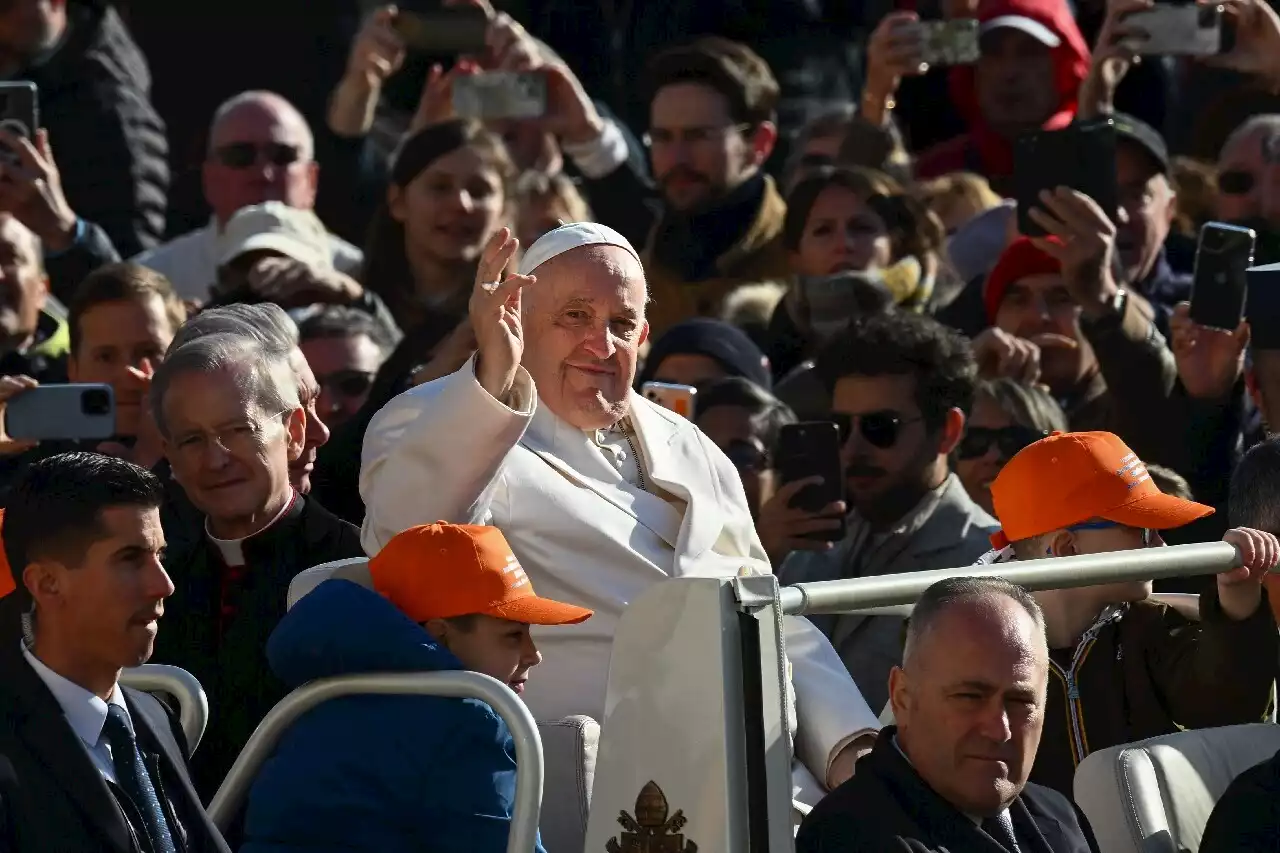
(313, 180)
(899, 693)
(296, 433)
(952, 431)
(762, 142)
(439, 629)
(644, 334)
(43, 581)
(395, 203)
(1061, 543)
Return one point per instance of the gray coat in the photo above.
(946, 530)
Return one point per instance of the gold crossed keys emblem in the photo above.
(650, 831)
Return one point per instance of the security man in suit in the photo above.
(85, 763)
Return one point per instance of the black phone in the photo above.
(1218, 287)
(1264, 307)
(446, 31)
(812, 449)
(19, 112)
(1081, 156)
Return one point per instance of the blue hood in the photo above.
(341, 628)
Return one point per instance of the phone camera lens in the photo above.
(95, 402)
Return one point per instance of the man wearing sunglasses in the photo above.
(1249, 182)
(260, 149)
(1124, 667)
(901, 386)
(345, 347)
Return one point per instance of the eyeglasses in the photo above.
(747, 456)
(1235, 182)
(347, 383)
(1148, 535)
(661, 136)
(879, 429)
(242, 155)
(239, 439)
(1008, 440)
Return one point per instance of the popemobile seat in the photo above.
(1155, 796)
(568, 745)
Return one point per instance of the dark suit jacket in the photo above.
(52, 797)
(231, 664)
(886, 807)
(1247, 817)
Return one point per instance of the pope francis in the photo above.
(599, 491)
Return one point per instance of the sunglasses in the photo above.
(347, 383)
(878, 429)
(242, 155)
(1235, 182)
(1147, 533)
(1008, 440)
(747, 457)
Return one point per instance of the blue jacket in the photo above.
(419, 774)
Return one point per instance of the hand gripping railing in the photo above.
(193, 705)
(463, 685)
(859, 594)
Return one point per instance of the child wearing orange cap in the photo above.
(403, 773)
(1124, 667)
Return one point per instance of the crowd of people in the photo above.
(393, 331)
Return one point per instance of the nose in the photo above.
(529, 655)
(994, 725)
(600, 343)
(216, 454)
(161, 585)
(317, 433)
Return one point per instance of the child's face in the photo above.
(495, 647)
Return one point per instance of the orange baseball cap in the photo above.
(6, 575)
(1069, 478)
(438, 571)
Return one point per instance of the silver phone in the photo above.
(500, 95)
(73, 412)
(950, 42)
(1178, 29)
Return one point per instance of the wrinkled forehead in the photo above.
(604, 274)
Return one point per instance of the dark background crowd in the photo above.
(827, 229)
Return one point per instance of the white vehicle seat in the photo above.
(568, 745)
(1155, 796)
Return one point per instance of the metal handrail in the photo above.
(858, 594)
(460, 684)
(1183, 602)
(193, 704)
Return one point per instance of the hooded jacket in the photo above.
(381, 774)
(982, 149)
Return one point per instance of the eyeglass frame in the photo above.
(710, 132)
(845, 424)
(1148, 534)
(220, 441)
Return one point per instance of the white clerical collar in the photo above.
(232, 550)
(85, 712)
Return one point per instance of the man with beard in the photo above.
(711, 128)
(901, 387)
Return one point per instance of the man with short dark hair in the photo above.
(97, 766)
(901, 387)
(345, 348)
(1255, 501)
(968, 702)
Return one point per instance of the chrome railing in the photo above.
(193, 704)
(891, 591)
(231, 796)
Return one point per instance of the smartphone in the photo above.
(812, 449)
(447, 31)
(19, 113)
(73, 412)
(1081, 156)
(668, 395)
(1264, 307)
(1223, 256)
(1178, 29)
(950, 42)
(500, 95)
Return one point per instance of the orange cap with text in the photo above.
(1070, 478)
(438, 571)
(6, 575)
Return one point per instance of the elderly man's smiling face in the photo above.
(584, 323)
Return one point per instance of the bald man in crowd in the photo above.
(260, 149)
(969, 703)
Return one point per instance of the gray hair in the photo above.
(267, 382)
(1028, 405)
(266, 323)
(946, 594)
(1268, 123)
(270, 100)
(1254, 497)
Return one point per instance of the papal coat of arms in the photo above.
(650, 831)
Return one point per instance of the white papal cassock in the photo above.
(448, 450)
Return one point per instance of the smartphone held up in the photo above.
(1218, 286)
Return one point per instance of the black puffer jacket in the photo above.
(108, 141)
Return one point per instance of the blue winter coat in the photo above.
(418, 774)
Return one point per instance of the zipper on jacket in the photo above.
(1075, 718)
(625, 429)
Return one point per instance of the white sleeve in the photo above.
(435, 453)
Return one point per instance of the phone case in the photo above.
(1081, 156)
(447, 31)
(500, 95)
(19, 113)
(953, 42)
(1177, 29)
(812, 449)
(676, 398)
(1218, 287)
(1264, 307)
(74, 412)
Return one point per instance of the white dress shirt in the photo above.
(85, 712)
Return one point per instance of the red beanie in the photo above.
(1020, 260)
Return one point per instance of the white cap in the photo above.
(274, 226)
(557, 241)
(1031, 27)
